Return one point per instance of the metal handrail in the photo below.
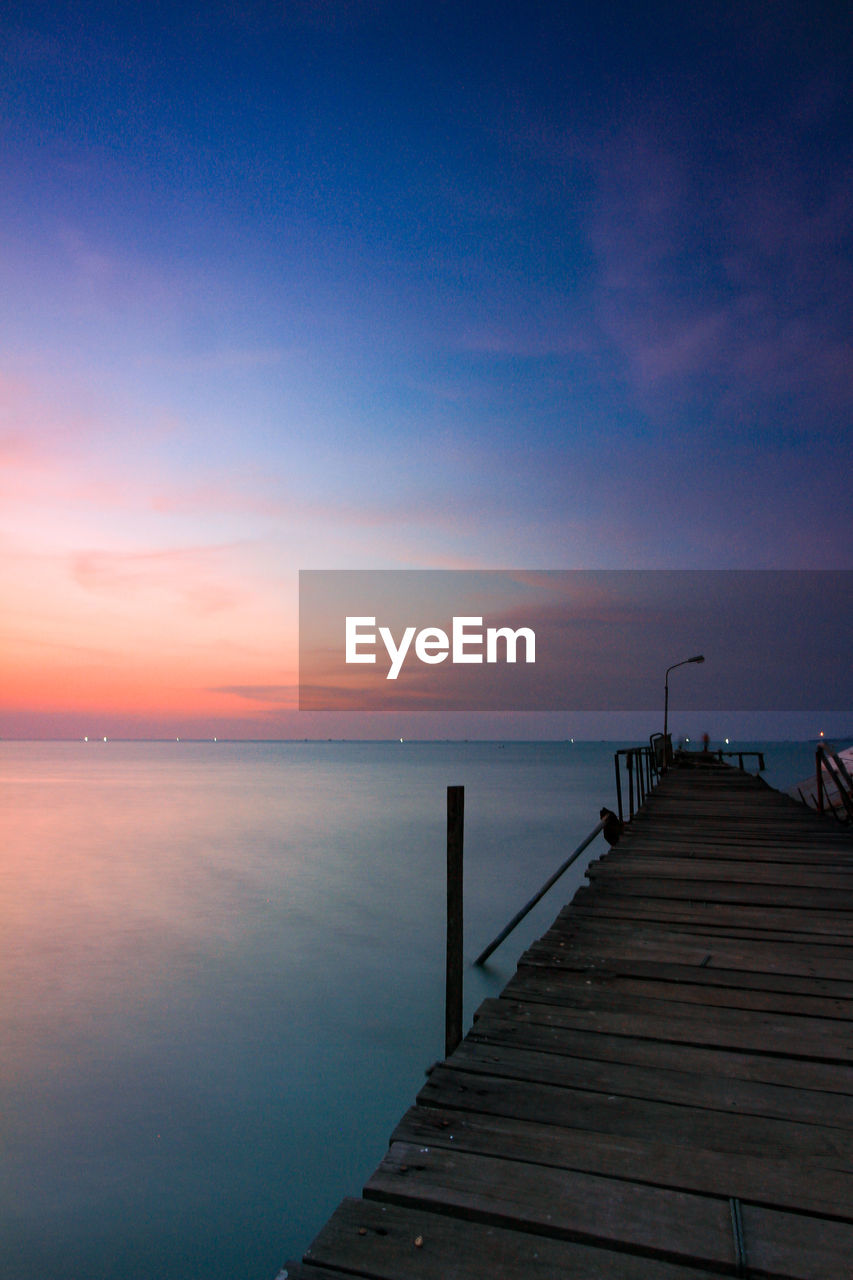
(643, 775)
(826, 758)
(516, 919)
(842, 769)
(740, 755)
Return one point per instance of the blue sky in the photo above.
(369, 285)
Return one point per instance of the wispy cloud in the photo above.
(281, 695)
(110, 278)
(193, 574)
(41, 423)
(731, 299)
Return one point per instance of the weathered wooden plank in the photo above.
(600, 925)
(688, 988)
(816, 906)
(784, 1244)
(824, 857)
(690, 921)
(776, 1033)
(526, 1060)
(765, 864)
(734, 924)
(730, 871)
(717, 814)
(674, 1225)
(635, 1117)
(677, 1226)
(837, 898)
(684, 819)
(822, 925)
(681, 825)
(780, 837)
(817, 839)
(717, 807)
(654, 915)
(717, 819)
(677, 977)
(707, 950)
(805, 1183)
(833, 948)
(768, 1033)
(598, 1045)
(380, 1240)
(599, 945)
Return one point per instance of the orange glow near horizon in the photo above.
(154, 687)
(161, 632)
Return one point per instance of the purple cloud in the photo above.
(724, 287)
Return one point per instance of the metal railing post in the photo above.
(618, 769)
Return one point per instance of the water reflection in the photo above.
(222, 978)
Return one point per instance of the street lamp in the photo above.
(700, 657)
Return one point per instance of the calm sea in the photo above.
(222, 977)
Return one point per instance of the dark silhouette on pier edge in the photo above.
(613, 826)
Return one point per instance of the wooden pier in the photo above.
(664, 1089)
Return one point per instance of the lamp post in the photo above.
(699, 657)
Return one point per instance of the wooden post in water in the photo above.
(453, 984)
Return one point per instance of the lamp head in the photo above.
(700, 657)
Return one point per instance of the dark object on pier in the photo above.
(613, 826)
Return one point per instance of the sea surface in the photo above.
(222, 977)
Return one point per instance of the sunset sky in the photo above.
(361, 284)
